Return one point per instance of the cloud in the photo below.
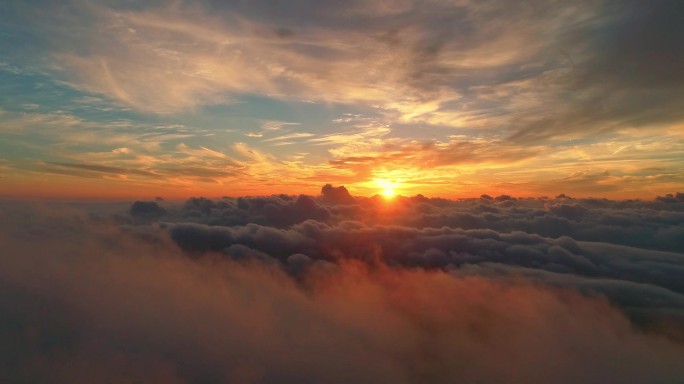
(629, 252)
(455, 94)
(623, 74)
(290, 136)
(645, 224)
(146, 209)
(420, 61)
(278, 211)
(125, 303)
(88, 169)
(415, 156)
(336, 195)
(671, 198)
(441, 248)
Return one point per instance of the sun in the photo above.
(387, 188)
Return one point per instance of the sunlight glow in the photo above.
(387, 188)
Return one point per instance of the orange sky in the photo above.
(443, 99)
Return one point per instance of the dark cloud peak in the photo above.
(147, 210)
(671, 198)
(336, 195)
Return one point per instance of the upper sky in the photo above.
(445, 98)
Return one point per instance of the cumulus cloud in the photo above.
(671, 198)
(336, 195)
(146, 209)
(302, 288)
(628, 251)
(276, 211)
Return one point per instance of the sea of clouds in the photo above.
(335, 288)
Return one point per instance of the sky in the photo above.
(124, 99)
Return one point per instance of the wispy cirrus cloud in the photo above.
(448, 93)
(163, 60)
(538, 68)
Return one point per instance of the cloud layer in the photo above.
(340, 289)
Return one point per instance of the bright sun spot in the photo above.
(387, 188)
